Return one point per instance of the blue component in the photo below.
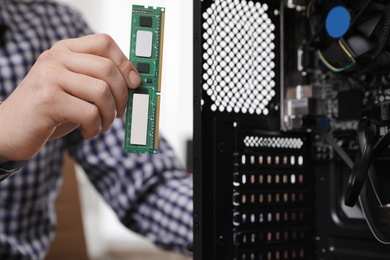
(323, 123)
(338, 22)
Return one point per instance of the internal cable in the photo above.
(367, 136)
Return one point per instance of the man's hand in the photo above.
(81, 81)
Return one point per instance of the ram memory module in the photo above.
(143, 106)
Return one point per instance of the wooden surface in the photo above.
(69, 242)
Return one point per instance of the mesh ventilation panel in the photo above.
(276, 142)
(239, 57)
(273, 215)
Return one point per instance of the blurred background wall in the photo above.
(102, 230)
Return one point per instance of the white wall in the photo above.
(113, 17)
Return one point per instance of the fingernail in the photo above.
(135, 79)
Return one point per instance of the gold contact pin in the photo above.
(161, 50)
(157, 123)
(159, 79)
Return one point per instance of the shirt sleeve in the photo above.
(151, 194)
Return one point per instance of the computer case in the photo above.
(275, 134)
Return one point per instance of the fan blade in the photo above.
(367, 27)
(360, 45)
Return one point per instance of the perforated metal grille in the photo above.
(295, 253)
(273, 214)
(273, 142)
(239, 56)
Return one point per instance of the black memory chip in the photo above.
(143, 67)
(142, 90)
(145, 21)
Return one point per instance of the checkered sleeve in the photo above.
(151, 194)
(165, 216)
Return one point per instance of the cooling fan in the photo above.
(351, 35)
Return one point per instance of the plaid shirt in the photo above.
(151, 194)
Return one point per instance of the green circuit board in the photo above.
(143, 106)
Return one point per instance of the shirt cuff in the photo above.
(9, 168)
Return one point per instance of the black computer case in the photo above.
(273, 133)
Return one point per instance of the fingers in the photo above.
(75, 110)
(94, 91)
(63, 130)
(108, 81)
(91, 76)
(103, 45)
